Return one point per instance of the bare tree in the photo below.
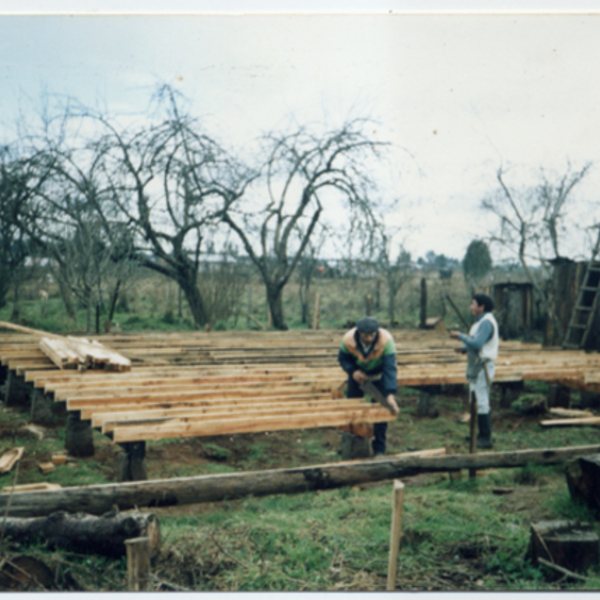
(307, 267)
(171, 184)
(14, 191)
(530, 221)
(396, 271)
(553, 197)
(301, 171)
(22, 175)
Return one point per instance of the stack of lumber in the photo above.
(80, 353)
(69, 352)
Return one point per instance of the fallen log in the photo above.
(98, 499)
(84, 533)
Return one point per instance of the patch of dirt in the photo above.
(528, 501)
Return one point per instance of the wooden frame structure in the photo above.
(199, 383)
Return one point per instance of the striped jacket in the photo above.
(380, 358)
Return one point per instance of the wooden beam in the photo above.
(178, 428)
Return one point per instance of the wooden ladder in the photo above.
(582, 318)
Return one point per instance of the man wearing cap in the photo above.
(481, 347)
(368, 352)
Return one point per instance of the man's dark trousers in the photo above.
(379, 429)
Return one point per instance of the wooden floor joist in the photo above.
(204, 383)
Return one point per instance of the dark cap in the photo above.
(367, 325)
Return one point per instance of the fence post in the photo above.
(396, 532)
(473, 429)
(317, 313)
(138, 564)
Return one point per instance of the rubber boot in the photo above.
(484, 423)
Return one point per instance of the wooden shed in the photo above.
(567, 277)
(514, 308)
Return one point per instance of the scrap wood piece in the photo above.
(570, 412)
(43, 486)
(561, 570)
(59, 459)
(570, 422)
(46, 467)
(10, 458)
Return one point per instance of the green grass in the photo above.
(334, 540)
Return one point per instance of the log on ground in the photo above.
(85, 533)
(98, 499)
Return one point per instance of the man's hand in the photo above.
(392, 402)
(360, 377)
(454, 334)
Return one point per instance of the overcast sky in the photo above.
(458, 95)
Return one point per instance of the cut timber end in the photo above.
(71, 352)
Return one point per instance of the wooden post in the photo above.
(423, 303)
(317, 312)
(249, 311)
(473, 427)
(396, 532)
(369, 305)
(269, 318)
(138, 564)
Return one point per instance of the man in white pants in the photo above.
(481, 346)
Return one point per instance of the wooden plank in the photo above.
(87, 413)
(109, 423)
(368, 414)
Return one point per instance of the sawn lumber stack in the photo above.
(199, 383)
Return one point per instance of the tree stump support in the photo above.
(41, 407)
(16, 391)
(132, 462)
(559, 395)
(355, 446)
(396, 533)
(509, 392)
(427, 404)
(79, 438)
